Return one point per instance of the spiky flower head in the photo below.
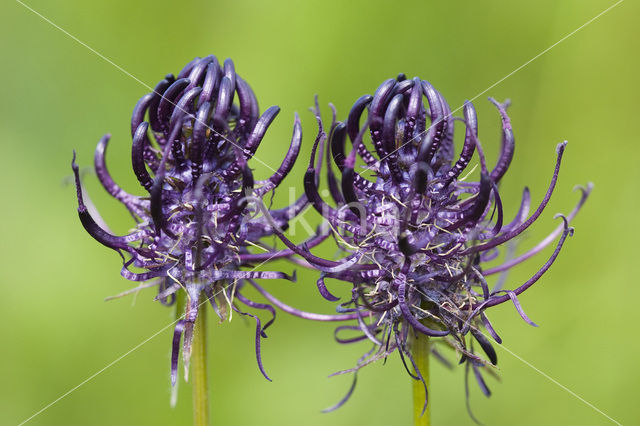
(192, 137)
(418, 233)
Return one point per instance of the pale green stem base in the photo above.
(420, 352)
(199, 371)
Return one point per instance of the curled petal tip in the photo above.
(568, 229)
(561, 147)
(564, 219)
(504, 105)
(585, 189)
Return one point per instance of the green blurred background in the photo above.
(58, 96)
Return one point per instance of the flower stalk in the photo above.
(420, 352)
(199, 373)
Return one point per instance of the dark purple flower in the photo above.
(417, 234)
(192, 138)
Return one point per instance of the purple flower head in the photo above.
(417, 234)
(192, 138)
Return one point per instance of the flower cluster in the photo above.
(417, 235)
(192, 137)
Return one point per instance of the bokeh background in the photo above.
(58, 96)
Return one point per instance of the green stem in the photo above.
(420, 351)
(199, 372)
